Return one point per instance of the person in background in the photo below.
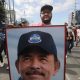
(78, 36)
(2, 46)
(70, 41)
(25, 23)
(1, 57)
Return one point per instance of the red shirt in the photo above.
(40, 24)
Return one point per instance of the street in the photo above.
(73, 64)
(4, 73)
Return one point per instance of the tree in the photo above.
(2, 12)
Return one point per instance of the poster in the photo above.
(13, 36)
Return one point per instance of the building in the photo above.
(75, 18)
(10, 14)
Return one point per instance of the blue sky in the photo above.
(30, 9)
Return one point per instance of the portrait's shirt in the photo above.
(20, 78)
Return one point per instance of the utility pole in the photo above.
(13, 11)
(75, 13)
(10, 10)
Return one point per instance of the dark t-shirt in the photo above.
(20, 78)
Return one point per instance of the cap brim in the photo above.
(33, 48)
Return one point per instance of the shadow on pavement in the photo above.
(77, 52)
(4, 70)
(73, 65)
(73, 56)
(68, 71)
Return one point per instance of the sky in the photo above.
(30, 9)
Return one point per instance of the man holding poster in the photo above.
(45, 15)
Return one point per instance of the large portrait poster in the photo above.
(50, 39)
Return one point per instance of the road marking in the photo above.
(79, 78)
(67, 77)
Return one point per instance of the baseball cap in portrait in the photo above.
(37, 38)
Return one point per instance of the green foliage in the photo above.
(2, 12)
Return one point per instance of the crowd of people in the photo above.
(2, 46)
(72, 38)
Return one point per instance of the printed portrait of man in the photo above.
(36, 55)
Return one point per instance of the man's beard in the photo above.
(48, 21)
